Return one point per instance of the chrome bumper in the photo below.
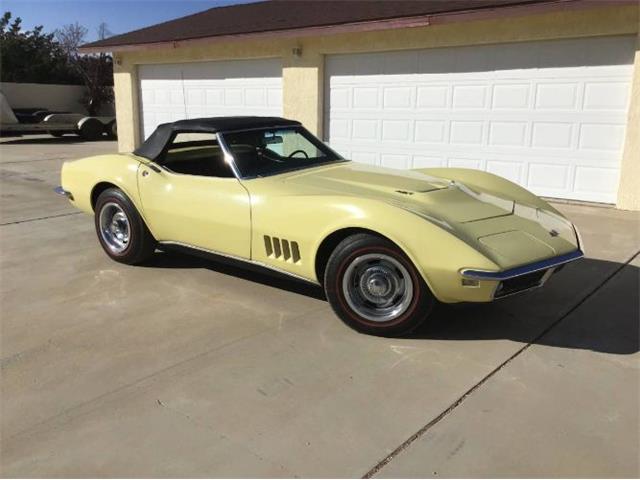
(524, 278)
(62, 191)
(523, 270)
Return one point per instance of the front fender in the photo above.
(437, 253)
(490, 183)
(307, 220)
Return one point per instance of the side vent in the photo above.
(282, 249)
(277, 251)
(268, 246)
(295, 252)
(286, 251)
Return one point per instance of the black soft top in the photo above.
(153, 146)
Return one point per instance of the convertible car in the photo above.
(385, 244)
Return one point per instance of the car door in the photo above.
(190, 197)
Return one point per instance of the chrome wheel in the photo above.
(114, 227)
(377, 287)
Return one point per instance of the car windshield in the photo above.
(265, 152)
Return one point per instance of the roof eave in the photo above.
(387, 24)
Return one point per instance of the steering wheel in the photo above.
(263, 153)
(298, 151)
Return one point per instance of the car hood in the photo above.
(416, 191)
(507, 231)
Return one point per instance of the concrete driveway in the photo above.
(193, 368)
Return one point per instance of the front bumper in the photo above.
(61, 191)
(523, 278)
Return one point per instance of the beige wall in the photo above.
(629, 188)
(51, 97)
(303, 77)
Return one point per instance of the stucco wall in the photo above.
(36, 95)
(303, 77)
(629, 188)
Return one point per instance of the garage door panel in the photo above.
(529, 111)
(598, 136)
(206, 89)
(509, 170)
(607, 96)
(596, 180)
(232, 70)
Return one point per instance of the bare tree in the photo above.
(70, 37)
(103, 31)
(96, 70)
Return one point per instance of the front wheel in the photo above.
(121, 230)
(374, 288)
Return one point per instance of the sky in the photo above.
(120, 15)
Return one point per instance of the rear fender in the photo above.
(81, 176)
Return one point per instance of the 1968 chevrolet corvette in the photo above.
(385, 244)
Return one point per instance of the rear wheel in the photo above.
(121, 230)
(375, 288)
(91, 129)
(111, 130)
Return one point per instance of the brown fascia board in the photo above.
(374, 25)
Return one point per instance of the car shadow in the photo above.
(585, 307)
(236, 268)
(541, 317)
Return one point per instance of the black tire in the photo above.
(111, 130)
(91, 129)
(140, 244)
(383, 261)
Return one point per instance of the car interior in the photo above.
(265, 152)
(256, 153)
(196, 154)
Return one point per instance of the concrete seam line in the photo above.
(40, 218)
(33, 160)
(403, 446)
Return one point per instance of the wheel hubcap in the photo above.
(114, 227)
(377, 287)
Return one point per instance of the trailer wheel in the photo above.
(111, 129)
(91, 129)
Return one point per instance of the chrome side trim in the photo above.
(240, 259)
(523, 270)
(61, 191)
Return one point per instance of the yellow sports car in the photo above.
(385, 244)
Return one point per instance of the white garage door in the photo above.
(548, 115)
(209, 89)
